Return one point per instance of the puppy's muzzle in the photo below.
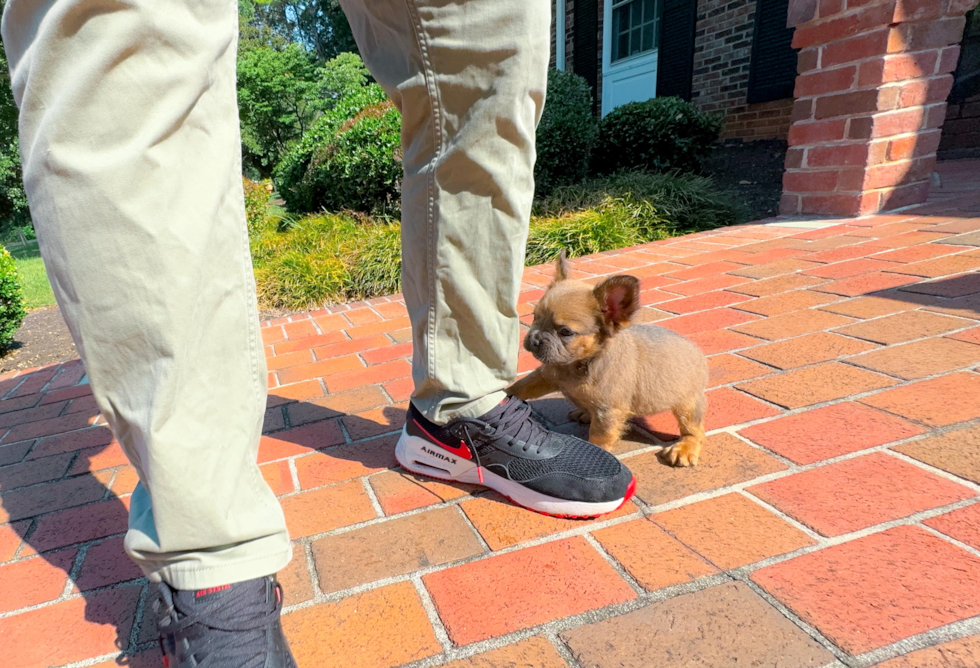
(533, 341)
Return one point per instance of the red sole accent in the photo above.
(630, 491)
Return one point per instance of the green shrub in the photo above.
(13, 201)
(281, 92)
(341, 76)
(326, 258)
(614, 223)
(566, 133)
(661, 134)
(349, 159)
(257, 196)
(277, 101)
(684, 203)
(11, 300)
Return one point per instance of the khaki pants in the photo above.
(131, 157)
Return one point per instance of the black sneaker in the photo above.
(509, 451)
(231, 626)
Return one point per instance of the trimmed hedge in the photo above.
(566, 133)
(659, 135)
(349, 159)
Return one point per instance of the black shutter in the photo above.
(586, 54)
(675, 61)
(966, 78)
(772, 74)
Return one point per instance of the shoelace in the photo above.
(517, 423)
(171, 623)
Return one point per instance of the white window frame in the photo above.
(640, 61)
(560, 34)
(607, 13)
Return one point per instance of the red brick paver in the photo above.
(876, 590)
(840, 478)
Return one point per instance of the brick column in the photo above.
(870, 101)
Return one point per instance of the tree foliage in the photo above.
(13, 201)
(318, 25)
(276, 101)
(281, 92)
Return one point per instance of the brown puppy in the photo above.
(610, 370)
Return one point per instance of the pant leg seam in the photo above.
(430, 231)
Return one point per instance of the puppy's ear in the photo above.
(619, 299)
(562, 270)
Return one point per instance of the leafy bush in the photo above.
(349, 159)
(661, 134)
(566, 133)
(281, 92)
(341, 76)
(323, 258)
(614, 223)
(257, 197)
(11, 300)
(276, 94)
(13, 201)
(684, 203)
(335, 257)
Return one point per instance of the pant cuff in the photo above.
(201, 576)
(474, 409)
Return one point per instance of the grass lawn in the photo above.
(34, 281)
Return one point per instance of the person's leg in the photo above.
(130, 144)
(469, 79)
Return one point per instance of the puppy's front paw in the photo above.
(681, 454)
(580, 415)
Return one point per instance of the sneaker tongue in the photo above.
(499, 409)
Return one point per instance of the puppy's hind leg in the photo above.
(690, 419)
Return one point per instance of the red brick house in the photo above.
(731, 56)
(861, 89)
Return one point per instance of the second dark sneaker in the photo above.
(510, 451)
(231, 626)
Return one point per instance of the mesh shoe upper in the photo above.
(233, 626)
(511, 442)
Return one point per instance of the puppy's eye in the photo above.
(565, 332)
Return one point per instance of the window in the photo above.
(635, 27)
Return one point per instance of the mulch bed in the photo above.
(43, 339)
(754, 170)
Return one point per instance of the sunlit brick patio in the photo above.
(833, 520)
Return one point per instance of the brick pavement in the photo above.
(833, 520)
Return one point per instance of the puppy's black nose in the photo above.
(533, 340)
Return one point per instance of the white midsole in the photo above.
(419, 456)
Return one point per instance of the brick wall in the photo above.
(722, 57)
(871, 100)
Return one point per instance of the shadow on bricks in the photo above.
(65, 485)
(57, 476)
